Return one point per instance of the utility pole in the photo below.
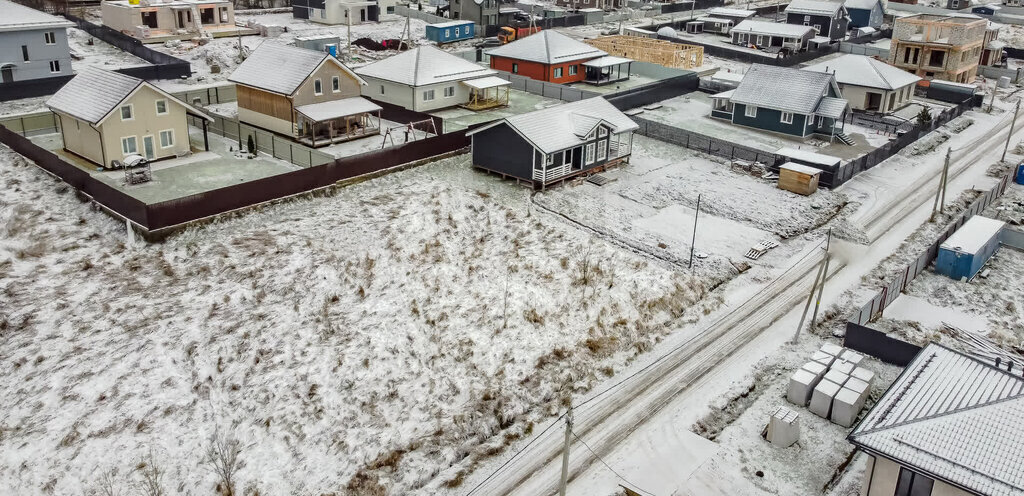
(807, 306)
(348, 16)
(565, 452)
(941, 191)
(821, 289)
(694, 239)
(945, 180)
(693, 6)
(1014, 121)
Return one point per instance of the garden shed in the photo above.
(798, 178)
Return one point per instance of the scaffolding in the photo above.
(661, 52)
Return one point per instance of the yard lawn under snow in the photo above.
(346, 341)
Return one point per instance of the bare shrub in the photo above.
(151, 477)
(107, 485)
(223, 457)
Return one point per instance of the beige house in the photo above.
(869, 84)
(155, 20)
(106, 116)
(308, 95)
(938, 46)
(948, 426)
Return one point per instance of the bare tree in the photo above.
(223, 457)
(107, 485)
(152, 483)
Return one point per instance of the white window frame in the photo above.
(572, 70)
(602, 132)
(750, 111)
(157, 105)
(549, 159)
(170, 133)
(54, 66)
(567, 157)
(428, 95)
(589, 154)
(335, 84)
(50, 38)
(449, 91)
(602, 150)
(557, 73)
(317, 83)
(134, 140)
(131, 112)
(786, 118)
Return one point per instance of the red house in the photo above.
(546, 56)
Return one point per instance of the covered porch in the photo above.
(721, 105)
(828, 119)
(607, 69)
(322, 124)
(487, 92)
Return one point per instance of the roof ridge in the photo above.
(547, 46)
(416, 66)
(948, 413)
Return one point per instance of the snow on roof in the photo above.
(486, 82)
(808, 156)
(721, 20)
(564, 126)
(954, 418)
(831, 107)
(722, 11)
(17, 17)
(449, 24)
(92, 94)
(860, 70)
(973, 235)
(782, 88)
(323, 111)
(606, 61)
(424, 65)
(280, 68)
(814, 7)
(772, 28)
(591, 9)
(801, 168)
(547, 47)
(725, 94)
(861, 4)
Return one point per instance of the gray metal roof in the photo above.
(772, 28)
(952, 417)
(334, 109)
(280, 68)
(564, 126)
(422, 66)
(831, 107)
(17, 17)
(861, 4)
(860, 70)
(814, 7)
(782, 88)
(607, 61)
(547, 47)
(92, 94)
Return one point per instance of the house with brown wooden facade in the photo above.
(305, 94)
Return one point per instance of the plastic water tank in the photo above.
(667, 32)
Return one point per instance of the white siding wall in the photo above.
(412, 98)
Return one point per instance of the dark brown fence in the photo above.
(655, 92)
(875, 343)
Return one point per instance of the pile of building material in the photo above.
(783, 427)
(661, 52)
(832, 385)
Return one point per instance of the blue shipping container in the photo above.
(447, 32)
(1020, 174)
(964, 253)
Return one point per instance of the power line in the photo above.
(521, 450)
(591, 450)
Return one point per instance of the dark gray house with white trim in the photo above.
(554, 144)
(786, 101)
(829, 19)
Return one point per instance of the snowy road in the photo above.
(626, 416)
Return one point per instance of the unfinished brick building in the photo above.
(938, 46)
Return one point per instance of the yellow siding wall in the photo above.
(146, 122)
(80, 138)
(349, 86)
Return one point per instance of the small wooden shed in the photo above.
(798, 178)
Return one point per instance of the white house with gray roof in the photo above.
(427, 78)
(554, 144)
(33, 44)
(787, 101)
(870, 84)
(764, 34)
(949, 425)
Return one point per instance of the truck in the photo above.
(508, 34)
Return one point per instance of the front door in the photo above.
(181, 19)
(147, 147)
(8, 74)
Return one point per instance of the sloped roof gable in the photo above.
(282, 69)
(860, 70)
(782, 88)
(547, 47)
(422, 66)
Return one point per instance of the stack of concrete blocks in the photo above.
(832, 385)
(784, 427)
(804, 381)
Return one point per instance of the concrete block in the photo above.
(815, 368)
(801, 385)
(843, 366)
(823, 358)
(858, 386)
(832, 349)
(784, 427)
(852, 357)
(846, 405)
(821, 398)
(836, 376)
(864, 375)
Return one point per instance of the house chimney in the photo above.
(998, 361)
(1009, 365)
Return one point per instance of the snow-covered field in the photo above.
(361, 342)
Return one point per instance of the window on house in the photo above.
(161, 107)
(129, 145)
(127, 113)
(602, 150)
(318, 87)
(590, 153)
(428, 95)
(167, 138)
(24, 53)
(787, 118)
(449, 91)
(750, 111)
(567, 157)
(912, 484)
(602, 132)
(223, 15)
(382, 89)
(54, 66)
(936, 58)
(515, 68)
(51, 39)
(335, 84)
(549, 159)
(572, 70)
(558, 73)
